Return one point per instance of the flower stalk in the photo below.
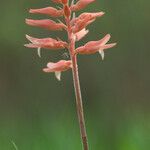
(76, 81)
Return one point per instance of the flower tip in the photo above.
(45, 70)
(108, 36)
(27, 21)
(26, 45)
(114, 44)
(31, 39)
(31, 10)
(27, 36)
(102, 13)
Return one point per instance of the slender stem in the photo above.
(76, 81)
(79, 104)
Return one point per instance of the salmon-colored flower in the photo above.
(84, 20)
(53, 12)
(95, 46)
(47, 43)
(81, 4)
(46, 23)
(79, 35)
(90, 16)
(81, 24)
(58, 67)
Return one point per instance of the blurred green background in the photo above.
(38, 113)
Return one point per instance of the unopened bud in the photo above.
(64, 1)
(67, 11)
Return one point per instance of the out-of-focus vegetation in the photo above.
(38, 113)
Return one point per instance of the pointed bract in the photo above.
(53, 12)
(46, 23)
(81, 4)
(101, 52)
(58, 75)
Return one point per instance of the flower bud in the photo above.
(64, 1)
(67, 11)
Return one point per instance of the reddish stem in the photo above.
(76, 81)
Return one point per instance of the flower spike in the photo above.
(75, 26)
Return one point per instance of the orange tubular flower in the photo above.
(53, 12)
(46, 23)
(58, 67)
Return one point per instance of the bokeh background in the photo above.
(38, 113)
